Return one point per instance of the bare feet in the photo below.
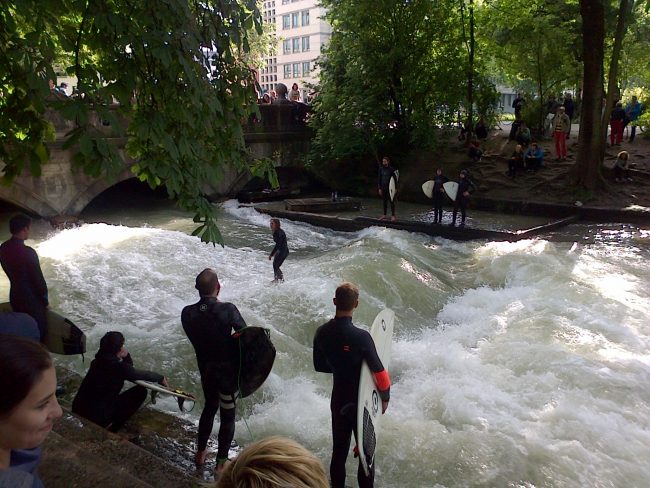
(221, 465)
(199, 457)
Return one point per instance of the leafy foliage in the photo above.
(174, 67)
(392, 73)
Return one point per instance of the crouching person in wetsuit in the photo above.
(340, 348)
(208, 325)
(99, 398)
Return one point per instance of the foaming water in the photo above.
(514, 364)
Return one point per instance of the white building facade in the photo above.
(301, 32)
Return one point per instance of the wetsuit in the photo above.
(19, 324)
(208, 325)
(383, 180)
(28, 292)
(340, 348)
(464, 185)
(99, 398)
(438, 197)
(280, 252)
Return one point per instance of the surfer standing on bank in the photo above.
(438, 194)
(386, 172)
(208, 325)
(465, 187)
(28, 293)
(280, 251)
(340, 348)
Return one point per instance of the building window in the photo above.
(296, 44)
(305, 17)
(287, 71)
(305, 43)
(286, 22)
(285, 2)
(286, 46)
(295, 19)
(296, 70)
(305, 68)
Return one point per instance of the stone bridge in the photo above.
(60, 191)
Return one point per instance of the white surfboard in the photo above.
(427, 188)
(392, 188)
(451, 189)
(369, 402)
(163, 389)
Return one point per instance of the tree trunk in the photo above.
(590, 137)
(612, 83)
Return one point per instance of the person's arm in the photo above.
(132, 374)
(36, 277)
(320, 361)
(379, 373)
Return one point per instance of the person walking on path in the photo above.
(616, 121)
(280, 251)
(208, 325)
(339, 349)
(28, 292)
(632, 113)
(386, 171)
(561, 127)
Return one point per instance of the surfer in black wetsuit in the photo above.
(28, 292)
(99, 398)
(208, 325)
(383, 181)
(340, 348)
(438, 195)
(465, 187)
(280, 251)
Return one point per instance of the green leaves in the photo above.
(182, 127)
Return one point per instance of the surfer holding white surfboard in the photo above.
(387, 185)
(341, 348)
(438, 194)
(465, 188)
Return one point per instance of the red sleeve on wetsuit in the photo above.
(382, 380)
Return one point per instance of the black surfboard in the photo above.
(256, 355)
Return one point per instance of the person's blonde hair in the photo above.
(274, 462)
(623, 153)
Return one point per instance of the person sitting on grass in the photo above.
(475, 153)
(516, 161)
(622, 167)
(534, 158)
(523, 134)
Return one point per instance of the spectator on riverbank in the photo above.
(475, 152)
(481, 129)
(28, 409)
(622, 167)
(632, 113)
(569, 109)
(523, 134)
(616, 121)
(561, 127)
(516, 161)
(534, 158)
(294, 93)
(518, 104)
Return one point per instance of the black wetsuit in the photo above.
(464, 185)
(28, 292)
(99, 398)
(279, 253)
(340, 348)
(208, 325)
(383, 181)
(438, 197)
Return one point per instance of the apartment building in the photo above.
(301, 32)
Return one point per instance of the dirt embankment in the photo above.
(550, 185)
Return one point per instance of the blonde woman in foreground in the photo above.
(274, 462)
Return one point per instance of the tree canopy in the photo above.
(175, 68)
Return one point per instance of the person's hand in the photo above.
(164, 382)
(384, 407)
(466, 194)
(380, 192)
(270, 257)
